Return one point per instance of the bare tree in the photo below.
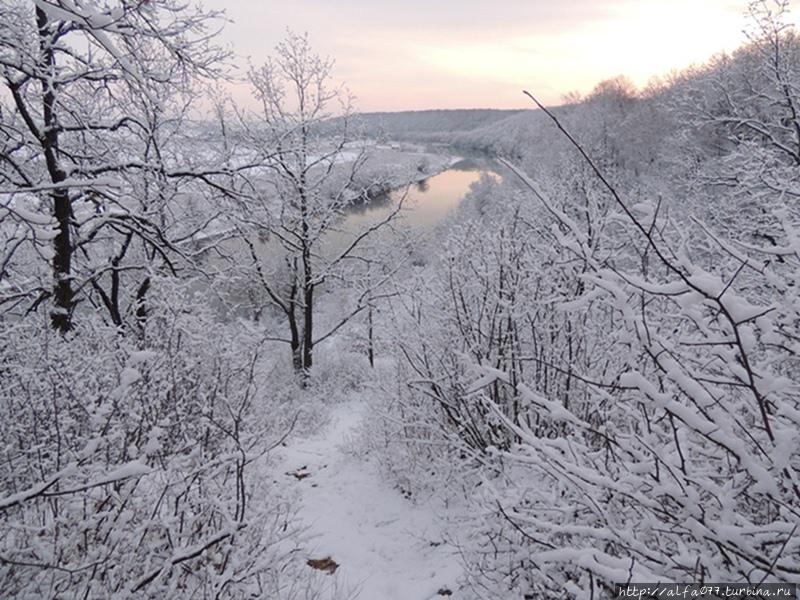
(86, 85)
(312, 178)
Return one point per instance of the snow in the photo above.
(129, 376)
(13, 499)
(29, 216)
(386, 547)
(141, 356)
(648, 422)
(126, 471)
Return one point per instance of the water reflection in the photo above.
(426, 202)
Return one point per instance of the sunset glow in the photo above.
(470, 55)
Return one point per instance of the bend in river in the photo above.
(429, 200)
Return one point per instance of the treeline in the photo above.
(430, 124)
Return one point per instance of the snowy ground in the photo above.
(386, 548)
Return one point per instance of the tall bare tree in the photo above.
(87, 84)
(313, 177)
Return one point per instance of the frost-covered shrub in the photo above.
(692, 473)
(653, 435)
(339, 373)
(486, 302)
(682, 465)
(130, 464)
(404, 435)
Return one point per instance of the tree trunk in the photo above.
(297, 354)
(62, 210)
(141, 305)
(308, 329)
(308, 285)
(370, 338)
(62, 263)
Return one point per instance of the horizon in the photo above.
(479, 57)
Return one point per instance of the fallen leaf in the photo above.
(323, 564)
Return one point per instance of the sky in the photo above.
(422, 54)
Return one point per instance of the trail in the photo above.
(386, 547)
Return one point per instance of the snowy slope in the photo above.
(386, 547)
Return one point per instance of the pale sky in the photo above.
(418, 54)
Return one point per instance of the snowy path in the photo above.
(386, 547)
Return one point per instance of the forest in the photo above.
(233, 365)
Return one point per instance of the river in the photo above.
(428, 201)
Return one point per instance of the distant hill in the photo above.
(429, 124)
